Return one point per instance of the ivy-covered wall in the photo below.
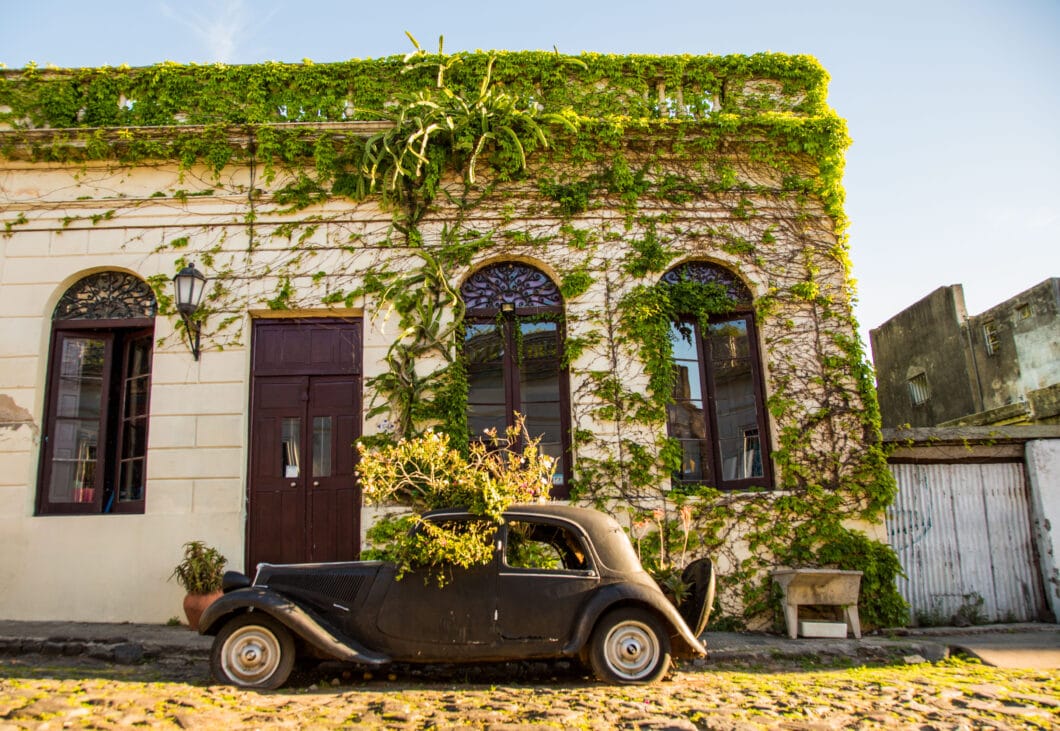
(379, 186)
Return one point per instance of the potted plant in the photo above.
(200, 574)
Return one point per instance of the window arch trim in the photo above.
(705, 272)
(107, 296)
(517, 284)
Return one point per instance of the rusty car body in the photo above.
(563, 581)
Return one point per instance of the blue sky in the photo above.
(954, 107)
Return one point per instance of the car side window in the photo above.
(447, 536)
(542, 546)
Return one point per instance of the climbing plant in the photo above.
(378, 185)
(428, 472)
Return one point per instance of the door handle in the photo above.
(294, 484)
(316, 483)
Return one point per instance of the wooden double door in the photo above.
(304, 504)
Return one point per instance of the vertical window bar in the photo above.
(131, 453)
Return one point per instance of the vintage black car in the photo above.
(564, 582)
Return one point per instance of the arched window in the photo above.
(94, 454)
(513, 346)
(718, 408)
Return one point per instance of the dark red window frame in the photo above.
(710, 429)
(121, 426)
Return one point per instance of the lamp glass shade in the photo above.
(189, 285)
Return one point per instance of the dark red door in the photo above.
(303, 503)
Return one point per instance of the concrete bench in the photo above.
(819, 586)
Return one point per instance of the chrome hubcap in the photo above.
(632, 649)
(250, 655)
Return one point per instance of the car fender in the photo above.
(607, 597)
(301, 622)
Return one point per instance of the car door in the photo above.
(424, 621)
(546, 574)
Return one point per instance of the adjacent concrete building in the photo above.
(938, 366)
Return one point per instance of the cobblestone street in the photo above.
(48, 692)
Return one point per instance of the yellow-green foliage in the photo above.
(427, 473)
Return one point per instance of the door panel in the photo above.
(277, 496)
(457, 618)
(307, 347)
(333, 496)
(545, 579)
(303, 502)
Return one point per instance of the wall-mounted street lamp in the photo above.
(189, 284)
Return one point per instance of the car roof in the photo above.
(609, 540)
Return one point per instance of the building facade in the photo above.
(643, 257)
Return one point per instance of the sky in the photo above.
(953, 106)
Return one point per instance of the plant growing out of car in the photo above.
(428, 473)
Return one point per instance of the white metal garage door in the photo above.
(962, 533)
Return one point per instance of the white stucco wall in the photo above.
(109, 567)
(1043, 475)
(83, 219)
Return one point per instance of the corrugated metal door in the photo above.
(962, 533)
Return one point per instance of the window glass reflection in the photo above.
(75, 445)
(481, 417)
(728, 340)
(484, 350)
(75, 451)
(81, 378)
(723, 443)
(322, 446)
(290, 441)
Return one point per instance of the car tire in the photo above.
(629, 645)
(253, 651)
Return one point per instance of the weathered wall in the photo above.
(927, 337)
(1013, 380)
(110, 567)
(1043, 474)
(1028, 354)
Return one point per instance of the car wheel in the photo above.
(629, 646)
(253, 651)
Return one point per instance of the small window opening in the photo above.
(991, 337)
(918, 389)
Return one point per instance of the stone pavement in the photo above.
(1029, 645)
(1026, 646)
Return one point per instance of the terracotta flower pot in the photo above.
(195, 605)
